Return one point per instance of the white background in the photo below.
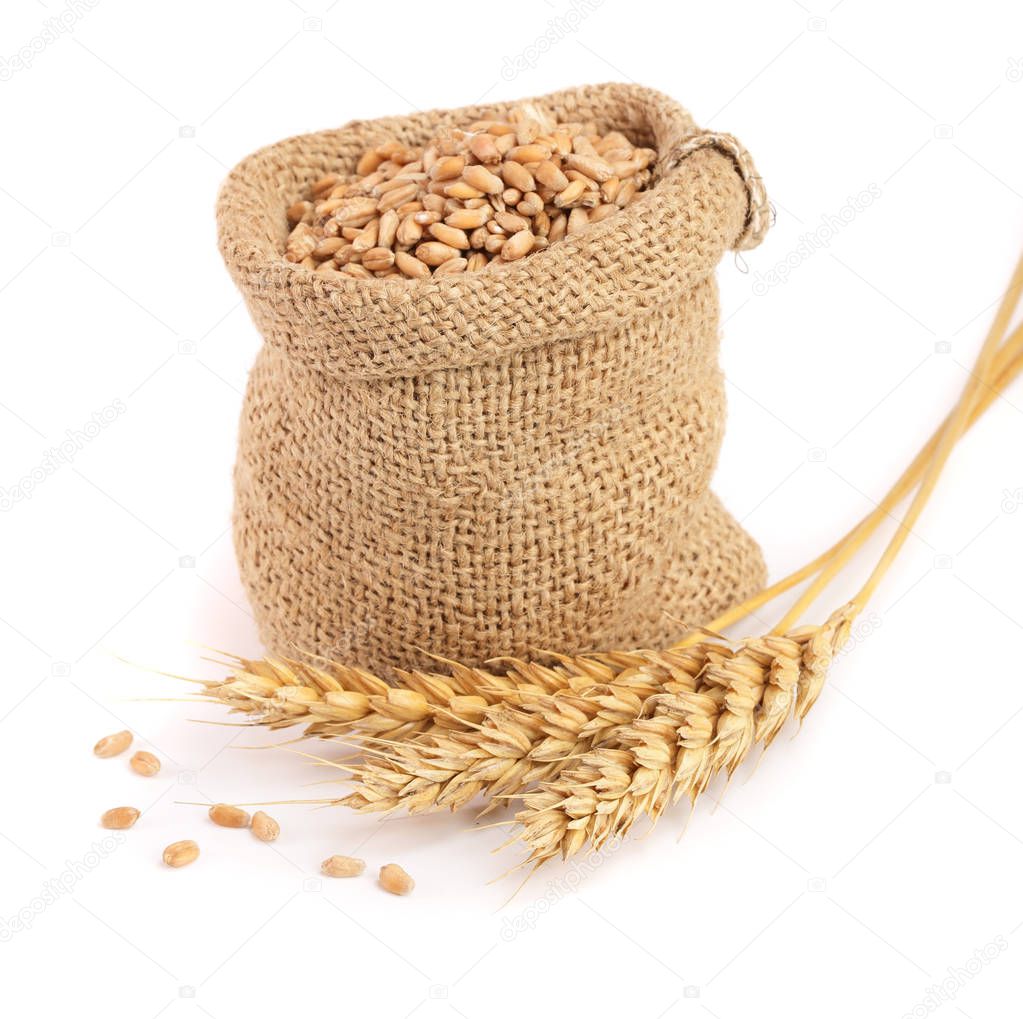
(849, 873)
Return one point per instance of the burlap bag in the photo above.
(482, 464)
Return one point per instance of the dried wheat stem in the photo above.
(979, 377)
(980, 380)
(1008, 362)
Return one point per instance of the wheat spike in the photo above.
(744, 696)
(332, 699)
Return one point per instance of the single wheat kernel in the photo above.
(482, 179)
(511, 223)
(435, 253)
(529, 153)
(531, 204)
(447, 168)
(411, 266)
(517, 176)
(548, 174)
(343, 866)
(325, 184)
(264, 827)
(298, 212)
(145, 763)
(452, 267)
(571, 194)
(368, 163)
(229, 817)
(468, 219)
(462, 190)
(592, 166)
(482, 146)
(517, 245)
(118, 818)
(181, 854)
(327, 247)
(378, 259)
(452, 236)
(111, 746)
(394, 880)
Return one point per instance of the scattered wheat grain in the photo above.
(229, 817)
(264, 827)
(394, 880)
(343, 866)
(118, 818)
(111, 746)
(181, 854)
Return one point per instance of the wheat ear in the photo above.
(331, 699)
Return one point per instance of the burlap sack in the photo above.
(478, 465)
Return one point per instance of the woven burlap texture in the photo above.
(484, 464)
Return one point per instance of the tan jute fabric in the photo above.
(489, 463)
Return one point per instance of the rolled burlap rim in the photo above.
(377, 328)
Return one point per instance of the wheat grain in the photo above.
(144, 763)
(228, 817)
(181, 854)
(394, 880)
(451, 266)
(264, 827)
(111, 746)
(517, 245)
(455, 184)
(342, 866)
(119, 818)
